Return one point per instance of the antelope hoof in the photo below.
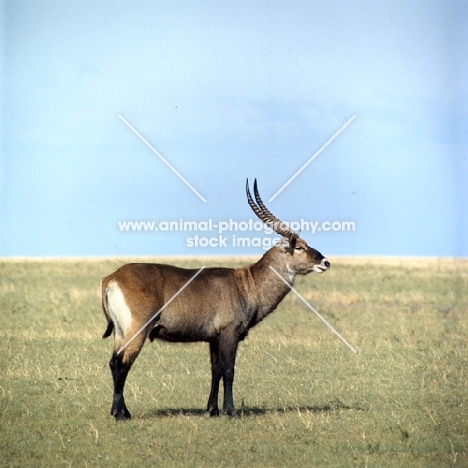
(122, 415)
(230, 412)
(119, 410)
(214, 412)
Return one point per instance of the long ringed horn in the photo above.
(265, 215)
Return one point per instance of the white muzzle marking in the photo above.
(323, 267)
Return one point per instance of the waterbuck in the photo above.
(216, 305)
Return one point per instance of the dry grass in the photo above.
(303, 398)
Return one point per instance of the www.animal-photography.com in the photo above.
(233, 234)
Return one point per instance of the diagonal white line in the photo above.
(160, 156)
(312, 158)
(315, 312)
(160, 310)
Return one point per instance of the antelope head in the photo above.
(299, 258)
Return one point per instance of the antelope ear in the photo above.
(288, 245)
(292, 242)
(284, 244)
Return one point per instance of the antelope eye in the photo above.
(300, 247)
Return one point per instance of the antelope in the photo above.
(217, 306)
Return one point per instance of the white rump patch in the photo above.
(118, 310)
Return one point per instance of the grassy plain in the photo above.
(303, 399)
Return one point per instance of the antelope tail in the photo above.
(110, 323)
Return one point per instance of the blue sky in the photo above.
(225, 91)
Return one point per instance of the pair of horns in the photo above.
(266, 216)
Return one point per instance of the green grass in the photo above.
(303, 399)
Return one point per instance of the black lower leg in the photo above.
(228, 350)
(119, 374)
(212, 407)
(228, 403)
